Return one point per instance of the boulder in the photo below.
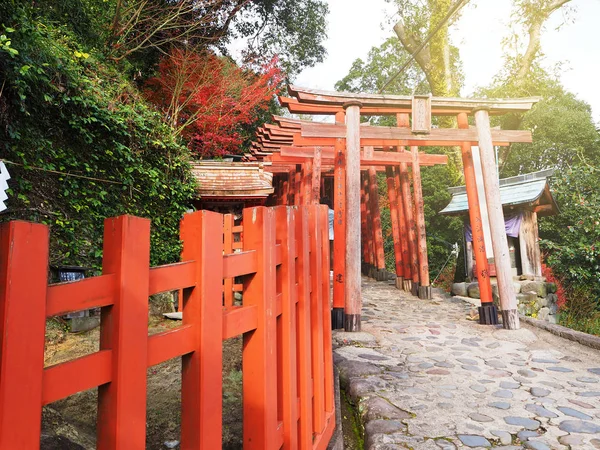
(543, 314)
(552, 298)
(542, 301)
(473, 290)
(553, 307)
(459, 289)
(517, 287)
(527, 298)
(551, 288)
(552, 318)
(534, 286)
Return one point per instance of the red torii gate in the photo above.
(347, 137)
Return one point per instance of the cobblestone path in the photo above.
(425, 377)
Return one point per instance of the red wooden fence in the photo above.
(284, 318)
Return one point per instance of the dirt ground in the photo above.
(70, 424)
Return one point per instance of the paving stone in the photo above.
(383, 426)
(471, 368)
(497, 373)
(553, 384)
(595, 371)
(536, 445)
(526, 434)
(524, 422)
(373, 357)
(504, 436)
(540, 411)
(582, 404)
(484, 381)
(379, 408)
(588, 379)
(438, 372)
(471, 440)
(595, 443)
(446, 394)
(503, 393)
(425, 365)
(579, 426)
(509, 385)
(480, 417)
(445, 364)
(544, 361)
(444, 405)
(496, 363)
(559, 369)
(574, 413)
(478, 388)
(539, 392)
(527, 373)
(448, 387)
(499, 405)
(589, 394)
(571, 439)
(468, 362)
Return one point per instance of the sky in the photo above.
(356, 25)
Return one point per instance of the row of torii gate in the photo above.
(300, 153)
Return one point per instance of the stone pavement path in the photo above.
(425, 377)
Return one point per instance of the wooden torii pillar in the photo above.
(339, 229)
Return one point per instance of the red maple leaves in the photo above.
(207, 98)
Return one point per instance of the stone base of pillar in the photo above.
(400, 283)
(414, 289)
(337, 318)
(352, 322)
(510, 319)
(488, 314)
(425, 292)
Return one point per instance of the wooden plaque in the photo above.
(421, 114)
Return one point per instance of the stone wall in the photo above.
(535, 297)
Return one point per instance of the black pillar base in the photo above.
(352, 322)
(337, 318)
(488, 314)
(415, 289)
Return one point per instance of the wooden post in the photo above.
(531, 261)
(370, 259)
(285, 234)
(286, 190)
(316, 177)
(124, 330)
(23, 284)
(508, 301)
(307, 197)
(424, 288)
(483, 274)
(394, 215)
(410, 223)
(339, 231)
(201, 383)
(298, 186)
(353, 279)
(403, 230)
(259, 365)
(363, 228)
(379, 255)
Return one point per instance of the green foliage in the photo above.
(571, 239)
(65, 108)
(581, 311)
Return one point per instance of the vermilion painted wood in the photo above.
(394, 216)
(171, 344)
(227, 250)
(88, 293)
(278, 254)
(376, 214)
(171, 277)
(420, 219)
(23, 275)
(363, 222)
(238, 264)
(410, 221)
(339, 225)
(326, 310)
(303, 326)
(259, 364)
(483, 270)
(286, 236)
(316, 177)
(403, 229)
(76, 375)
(239, 320)
(369, 221)
(298, 186)
(316, 322)
(201, 383)
(321, 441)
(307, 171)
(124, 329)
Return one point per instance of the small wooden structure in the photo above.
(231, 186)
(305, 154)
(524, 198)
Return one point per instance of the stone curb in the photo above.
(577, 336)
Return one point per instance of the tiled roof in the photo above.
(232, 179)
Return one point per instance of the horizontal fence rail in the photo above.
(266, 279)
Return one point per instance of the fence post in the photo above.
(124, 330)
(316, 325)
(326, 308)
(304, 335)
(23, 283)
(201, 383)
(286, 237)
(259, 362)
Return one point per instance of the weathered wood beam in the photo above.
(374, 158)
(451, 136)
(321, 97)
(508, 301)
(316, 177)
(531, 260)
